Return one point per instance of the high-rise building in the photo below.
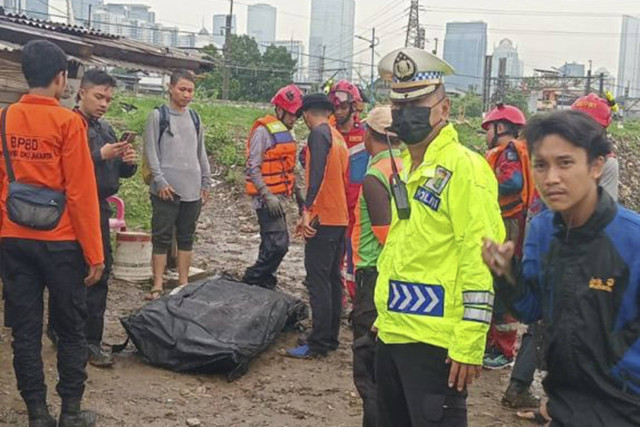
(506, 50)
(261, 24)
(629, 59)
(296, 49)
(331, 39)
(572, 69)
(465, 48)
(10, 6)
(219, 25)
(82, 9)
(37, 9)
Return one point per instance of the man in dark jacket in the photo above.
(113, 159)
(581, 274)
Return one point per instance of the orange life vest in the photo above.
(330, 205)
(278, 162)
(515, 204)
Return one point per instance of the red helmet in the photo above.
(506, 113)
(596, 107)
(350, 91)
(289, 98)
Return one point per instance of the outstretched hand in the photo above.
(498, 258)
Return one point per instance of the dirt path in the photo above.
(275, 392)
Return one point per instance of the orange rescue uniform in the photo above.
(48, 147)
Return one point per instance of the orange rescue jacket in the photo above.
(48, 148)
(515, 204)
(279, 161)
(330, 205)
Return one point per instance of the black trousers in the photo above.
(97, 294)
(364, 344)
(412, 387)
(526, 360)
(274, 245)
(27, 267)
(322, 260)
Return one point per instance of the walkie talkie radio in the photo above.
(398, 188)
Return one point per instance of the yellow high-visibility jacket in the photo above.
(433, 286)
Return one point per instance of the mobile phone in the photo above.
(128, 136)
(315, 222)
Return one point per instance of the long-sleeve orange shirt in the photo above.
(48, 147)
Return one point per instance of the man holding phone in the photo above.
(180, 177)
(113, 158)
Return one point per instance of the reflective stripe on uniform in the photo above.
(478, 298)
(475, 314)
(356, 149)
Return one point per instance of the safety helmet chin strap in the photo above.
(349, 116)
(497, 135)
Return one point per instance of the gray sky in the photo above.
(547, 32)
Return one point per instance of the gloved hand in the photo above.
(273, 205)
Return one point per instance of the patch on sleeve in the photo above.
(512, 155)
(440, 180)
(428, 198)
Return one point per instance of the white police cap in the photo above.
(413, 73)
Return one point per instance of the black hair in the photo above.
(42, 61)
(382, 138)
(97, 77)
(178, 75)
(576, 127)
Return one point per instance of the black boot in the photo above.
(98, 357)
(518, 396)
(39, 416)
(72, 416)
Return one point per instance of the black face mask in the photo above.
(412, 124)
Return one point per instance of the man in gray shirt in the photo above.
(180, 177)
(270, 178)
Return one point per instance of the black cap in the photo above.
(316, 101)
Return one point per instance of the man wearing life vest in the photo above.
(270, 180)
(373, 217)
(509, 159)
(433, 295)
(346, 99)
(323, 224)
(601, 110)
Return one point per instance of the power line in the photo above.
(513, 12)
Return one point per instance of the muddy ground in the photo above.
(275, 392)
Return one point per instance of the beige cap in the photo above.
(413, 73)
(379, 119)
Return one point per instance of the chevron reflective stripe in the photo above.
(477, 315)
(416, 298)
(477, 298)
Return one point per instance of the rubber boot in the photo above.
(39, 416)
(73, 416)
(518, 396)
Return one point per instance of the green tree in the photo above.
(468, 105)
(254, 76)
(517, 98)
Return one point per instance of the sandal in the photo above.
(534, 416)
(153, 294)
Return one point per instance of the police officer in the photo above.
(271, 160)
(433, 295)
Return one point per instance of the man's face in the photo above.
(182, 92)
(287, 118)
(305, 117)
(491, 131)
(437, 101)
(562, 173)
(95, 100)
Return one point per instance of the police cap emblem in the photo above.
(404, 68)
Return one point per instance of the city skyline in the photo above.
(548, 33)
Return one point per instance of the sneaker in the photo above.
(302, 340)
(99, 358)
(496, 362)
(519, 396)
(301, 352)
